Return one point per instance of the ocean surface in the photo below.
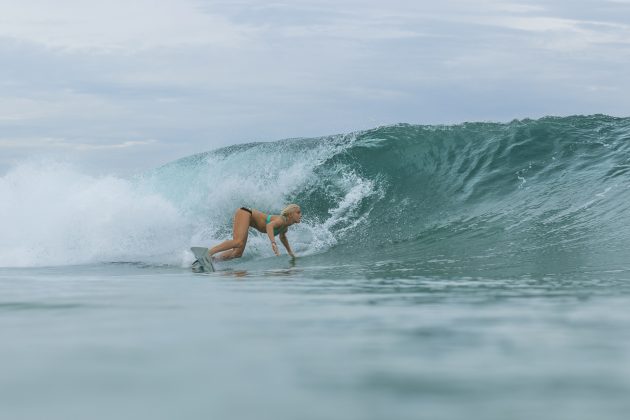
(472, 271)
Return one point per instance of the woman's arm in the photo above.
(285, 242)
(270, 227)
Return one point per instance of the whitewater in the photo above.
(477, 270)
(507, 190)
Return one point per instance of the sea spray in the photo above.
(53, 215)
(534, 195)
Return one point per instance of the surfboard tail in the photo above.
(202, 258)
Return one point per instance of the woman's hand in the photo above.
(274, 246)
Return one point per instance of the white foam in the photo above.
(263, 176)
(52, 214)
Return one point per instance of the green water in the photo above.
(302, 340)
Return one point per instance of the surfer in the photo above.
(272, 225)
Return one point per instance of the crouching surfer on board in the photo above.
(272, 225)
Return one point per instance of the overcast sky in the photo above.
(126, 85)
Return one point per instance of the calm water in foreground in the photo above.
(305, 341)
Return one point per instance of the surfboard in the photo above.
(202, 258)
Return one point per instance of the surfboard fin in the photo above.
(202, 258)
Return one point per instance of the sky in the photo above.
(123, 86)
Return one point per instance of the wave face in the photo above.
(527, 197)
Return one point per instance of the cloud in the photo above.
(199, 74)
(40, 106)
(56, 143)
(565, 35)
(116, 25)
(518, 7)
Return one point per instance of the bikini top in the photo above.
(276, 231)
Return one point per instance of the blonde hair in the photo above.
(290, 209)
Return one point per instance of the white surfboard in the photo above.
(202, 257)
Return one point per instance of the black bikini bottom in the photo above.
(247, 210)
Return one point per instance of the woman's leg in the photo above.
(234, 248)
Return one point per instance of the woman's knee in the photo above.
(238, 252)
